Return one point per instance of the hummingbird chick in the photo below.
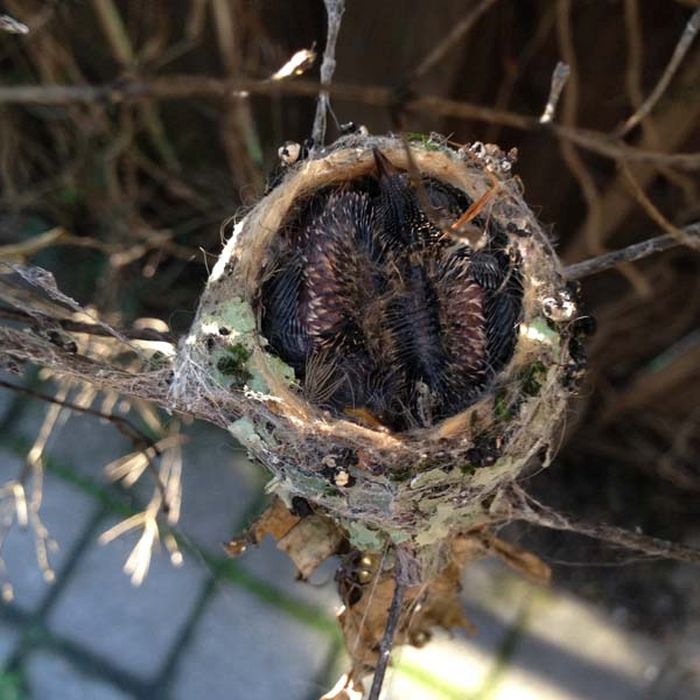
(384, 320)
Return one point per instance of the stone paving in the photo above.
(223, 630)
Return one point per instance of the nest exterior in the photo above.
(422, 486)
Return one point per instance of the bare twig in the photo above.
(387, 642)
(525, 507)
(636, 251)
(28, 347)
(115, 32)
(633, 74)
(684, 43)
(297, 65)
(238, 131)
(633, 81)
(334, 10)
(674, 122)
(577, 165)
(674, 368)
(559, 77)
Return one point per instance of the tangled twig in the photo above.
(522, 506)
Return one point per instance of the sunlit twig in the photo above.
(559, 77)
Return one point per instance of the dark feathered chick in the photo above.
(380, 315)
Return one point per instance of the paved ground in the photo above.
(219, 630)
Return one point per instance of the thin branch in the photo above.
(460, 30)
(387, 642)
(525, 507)
(633, 252)
(684, 43)
(187, 86)
(334, 10)
(123, 425)
(653, 212)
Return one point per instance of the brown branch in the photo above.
(188, 86)
(560, 75)
(672, 370)
(674, 122)
(12, 26)
(123, 425)
(653, 212)
(636, 251)
(525, 507)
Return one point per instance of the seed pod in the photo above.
(387, 369)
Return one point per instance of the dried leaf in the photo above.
(433, 604)
(523, 562)
(311, 542)
(347, 688)
(276, 521)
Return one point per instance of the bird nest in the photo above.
(422, 482)
(411, 473)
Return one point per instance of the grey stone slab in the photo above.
(9, 636)
(219, 486)
(7, 397)
(51, 677)
(242, 648)
(65, 512)
(274, 567)
(84, 444)
(133, 627)
(561, 647)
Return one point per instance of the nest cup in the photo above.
(421, 486)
